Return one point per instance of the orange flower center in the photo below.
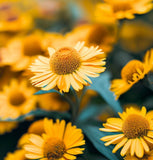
(65, 61)
(97, 35)
(16, 98)
(130, 69)
(54, 148)
(32, 46)
(122, 6)
(135, 126)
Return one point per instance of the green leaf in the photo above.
(49, 91)
(40, 112)
(94, 135)
(101, 84)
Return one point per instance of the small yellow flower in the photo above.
(16, 99)
(135, 36)
(60, 141)
(17, 155)
(7, 127)
(131, 73)
(120, 9)
(21, 51)
(147, 156)
(135, 127)
(67, 66)
(53, 102)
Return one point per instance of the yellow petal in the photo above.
(126, 147)
(114, 140)
(139, 148)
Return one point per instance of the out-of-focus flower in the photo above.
(60, 141)
(12, 20)
(16, 155)
(119, 9)
(97, 34)
(16, 99)
(136, 36)
(68, 66)
(52, 102)
(131, 73)
(7, 127)
(135, 131)
(20, 52)
(147, 156)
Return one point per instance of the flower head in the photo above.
(60, 141)
(119, 9)
(67, 66)
(131, 73)
(16, 99)
(135, 127)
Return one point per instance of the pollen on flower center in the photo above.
(16, 98)
(54, 148)
(130, 69)
(135, 126)
(65, 61)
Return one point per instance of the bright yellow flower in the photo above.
(16, 99)
(21, 51)
(17, 155)
(97, 34)
(135, 127)
(120, 9)
(148, 156)
(7, 127)
(136, 36)
(52, 102)
(67, 66)
(131, 73)
(60, 141)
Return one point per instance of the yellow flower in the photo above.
(135, 127)
(7, 127)
(17, 155)
(131, 73)
(135, 36)
(21, 51)
(52, 102)
(16, 99)
(147, 156)
(67, 66)
(97, 34)
(60, 141)
(120, 9)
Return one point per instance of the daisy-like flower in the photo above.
(68, 66)
(16, 99)
(18, 155)
(60, 141)
(120, 9)
(7, 127)
(135, 132)
(131, 73)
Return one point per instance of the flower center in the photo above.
(17, 98)
(122, 6)
(135, 126)
(32, 46)
(130, 69)
(65, 61)
(97, 35)
(54, 148)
